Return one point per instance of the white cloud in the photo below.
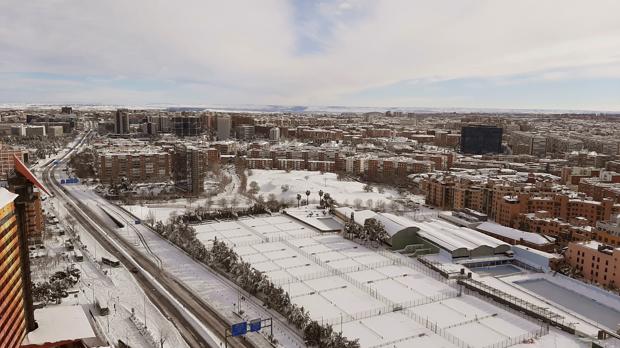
(245, 51)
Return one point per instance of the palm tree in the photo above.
(321, 197)
(307, 197)
(298, 199)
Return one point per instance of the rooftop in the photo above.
(74, 326)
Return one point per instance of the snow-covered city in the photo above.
(322, 174)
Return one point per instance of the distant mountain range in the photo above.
(330, 109)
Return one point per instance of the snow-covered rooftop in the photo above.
(73, 326)
(6, 196)
(513, 233)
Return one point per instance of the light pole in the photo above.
(144, 298)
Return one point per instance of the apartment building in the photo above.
(121, 121)
(137, 165)
(563, 231)
(573, 175)
(189, 169)
(528, 143)
(608, 232)
(597, 262)
(396, 167)
(506, 200)
(12, 309)
(559, 205)
(187, 125)
(605, 185)
(16, 307)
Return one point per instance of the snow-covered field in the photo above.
(377, 296)
(344, 192)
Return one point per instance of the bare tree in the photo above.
(150, 218)
(369, 203)
(380, 205)
(357, 203)
(163, 336)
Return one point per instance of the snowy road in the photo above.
(209, 286)
(201, 289)
(190, 316)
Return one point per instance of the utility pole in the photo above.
(144, 298)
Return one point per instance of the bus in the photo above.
(110, 262)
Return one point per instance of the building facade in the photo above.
(121, 121)
(189, 169)
(12, 296)
(597, 262)
(187, 126)
(480, 140)
(136, 167)
(224, 125)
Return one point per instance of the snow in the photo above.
(350, 285)
(587, 307)
(205, 284)
(117, 284)
(73, 326)
(162, 211)
(6, 197)
(514, 234)
(344, 192)
(504, 284)
(317, 218)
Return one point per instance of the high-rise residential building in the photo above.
(121, 121)
(274, 134)
(245, 132)
(186, 125)
(224, 125)
(149, 128)
(188, 169)
(16, 307)
(12, 318)
(481, 139)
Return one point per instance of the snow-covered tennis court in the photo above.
(382, 298)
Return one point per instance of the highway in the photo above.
(198, 323)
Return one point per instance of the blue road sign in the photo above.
(239, 329)
(255, 325)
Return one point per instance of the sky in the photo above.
(520, 54)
